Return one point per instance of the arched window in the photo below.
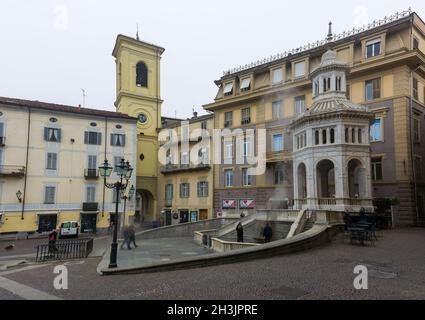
(324, 137)
(346, 135)
(332, 133)
(141, 75)
(316, 138)
(359, 136)
(353, 135)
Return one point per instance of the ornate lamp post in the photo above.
(124, 171)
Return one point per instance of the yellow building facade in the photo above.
(49, 159)
(186, 183)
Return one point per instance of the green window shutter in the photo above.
(86, 137)
(46, 134)
(99, 139)
(59, 135)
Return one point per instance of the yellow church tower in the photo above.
(138, 95)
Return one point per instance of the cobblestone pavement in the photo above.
(396, 271)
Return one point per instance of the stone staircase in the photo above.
(308, 224)
(253, 231)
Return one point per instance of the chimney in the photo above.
(195, 114)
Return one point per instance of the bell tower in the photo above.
(138, 95)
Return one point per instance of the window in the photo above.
(204, 125)
(1, 133)
(348, 91)
(376, 131)
(117, 140)
(338, 81)
(347, 138)
(373, 89)
(299, 104)
(203, 156)
(332, 137)
(203, 189)
(246, 147)
(278, 174)
(228, 149)
(245, 84)
(416, 130)
(184, 190)
(114, 197)
(316, 88)
(376, 169)
(353, 135)
(246, 116)
(277, 110)
(277, 76)
(326, 84)
(228, 119)
(117, 161)
(49, 194)
(91, 137)
(228, 89)
(300, 69)
(169, 192)
(415, 88)
(246, 178)
(324, 137)
(52, 159)
(277, 142)
(359, 136)
(92, 162)
(184, 158)
(316, 137)
(228, 178)
(91, 194)
(373, 48)
(51, 134)
(141, 75)
(415, 44)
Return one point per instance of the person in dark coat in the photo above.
(53, 236)
(126, 235)
(267, 233)
(132, 236)
(239, 231)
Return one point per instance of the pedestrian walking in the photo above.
(132, 235)
(126, 235)
(239, 231)
(267, 233)
(53, 236)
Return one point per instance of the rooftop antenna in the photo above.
(84, 97)
(137, 33)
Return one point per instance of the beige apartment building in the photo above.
(386, 73)
(186, 186)
(49, 159)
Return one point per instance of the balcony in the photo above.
(279, 156)
(90, 206)
(175, 168)
(168, 203)
(2, 141)
(91, 174)
(12, 171)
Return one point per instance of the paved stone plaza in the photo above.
(395, 266)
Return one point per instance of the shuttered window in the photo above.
(117, 140)
(94, 138)
(184, 190)
(52, 134)
(91, 193)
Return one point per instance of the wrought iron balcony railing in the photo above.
(14, 171)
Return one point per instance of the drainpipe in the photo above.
(26, 165)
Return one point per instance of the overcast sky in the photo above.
(50, 49)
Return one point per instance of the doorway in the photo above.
(184, 216)
(88, 223)
(47, 222)
(203, 214)
(168, 218)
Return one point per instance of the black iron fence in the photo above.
(64, 250)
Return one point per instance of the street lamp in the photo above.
(124, 171)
